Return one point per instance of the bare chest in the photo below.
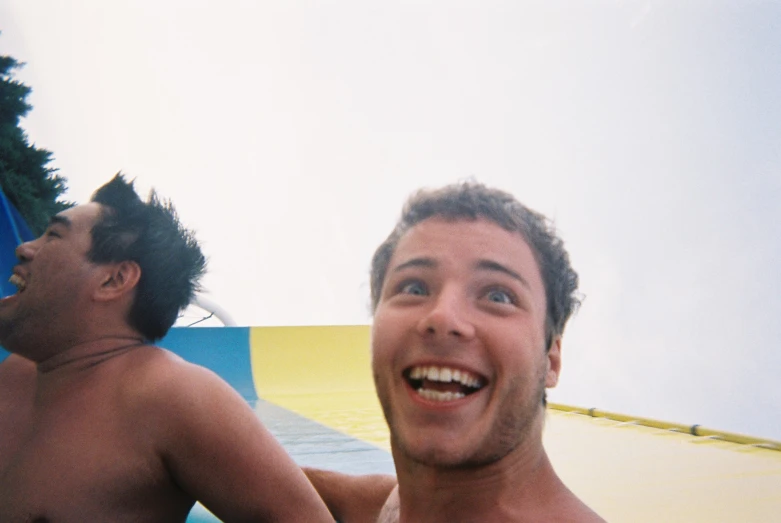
(79, 456)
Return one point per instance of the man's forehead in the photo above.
(80, 215)
(475, 245)
(472, 230)
(468, 237)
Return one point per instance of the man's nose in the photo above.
(26, 251)
(448, 316)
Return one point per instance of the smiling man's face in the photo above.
(458, 343)
(52, 276)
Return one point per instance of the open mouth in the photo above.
(443, 383)
(19, 282)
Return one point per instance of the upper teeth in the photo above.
(17, 280)
(446, 375)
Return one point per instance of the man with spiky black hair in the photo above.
(98, 424)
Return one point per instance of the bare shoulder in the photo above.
(585, 515)
(353, 498)
(153, 370)
(154, 363)
(576, 511)
(157, 383)
(390, 510)
(213, 444)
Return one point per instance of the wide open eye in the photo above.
(414, 287)
(500, 296)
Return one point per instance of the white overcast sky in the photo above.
(289, 133)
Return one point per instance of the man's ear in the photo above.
(118, 279)
(554, 363)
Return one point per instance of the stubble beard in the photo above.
(9, 327)
(514, 425)
(29, 327)
(5, 330)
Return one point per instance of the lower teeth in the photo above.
(435, 395)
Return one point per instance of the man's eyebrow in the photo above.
(488, 265)
(61, 220)
(415, 262)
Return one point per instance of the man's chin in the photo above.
(454, 452)
(435, 454)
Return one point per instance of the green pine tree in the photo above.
(25, 176)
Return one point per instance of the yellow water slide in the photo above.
(627, 468)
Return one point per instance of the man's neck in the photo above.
(89, 353)
(516, 488)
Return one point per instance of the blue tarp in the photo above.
(13, 231)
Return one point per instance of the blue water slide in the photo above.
(13, 231)
(225, 350)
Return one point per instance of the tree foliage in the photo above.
(25, 176)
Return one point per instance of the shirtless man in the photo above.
(96, 424)
(471, 292)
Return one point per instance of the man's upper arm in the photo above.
(352, 499)
(218, 451)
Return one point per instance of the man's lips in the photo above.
(21, 284)
(441, 383)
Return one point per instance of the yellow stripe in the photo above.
(322, 373)
(310, 360)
